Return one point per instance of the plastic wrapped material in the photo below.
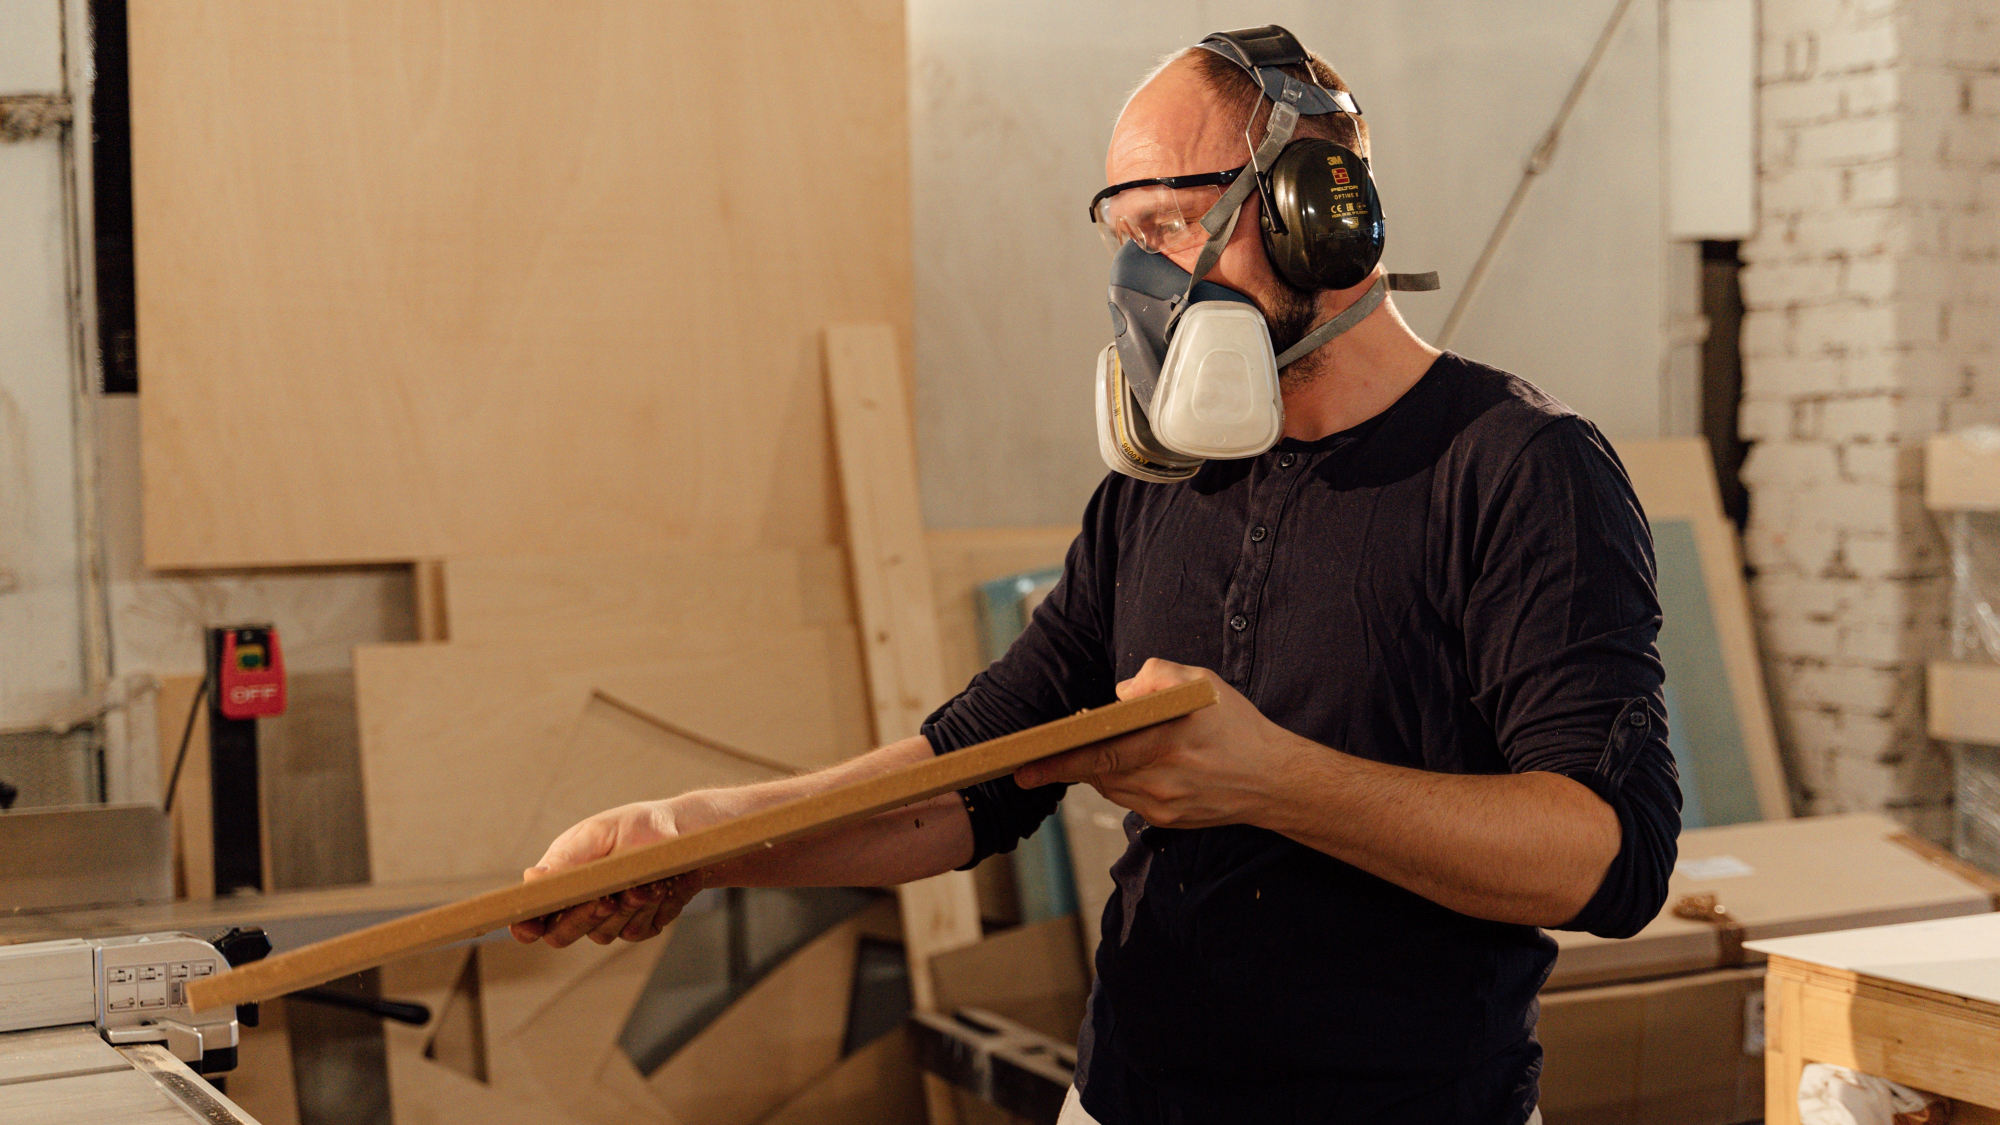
(1975, 638)
(1975, 586)
(1835, 1095)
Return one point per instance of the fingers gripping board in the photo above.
(349, 953)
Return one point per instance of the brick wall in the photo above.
(1873, 295)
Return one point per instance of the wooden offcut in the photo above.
(1961, 475)
(1962, 702)
(791, 820)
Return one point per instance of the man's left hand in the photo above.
(1220, 765)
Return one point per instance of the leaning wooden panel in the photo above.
(1675, 481)
(444, 277)
(316, 964)
(897, 604)
(462, 744)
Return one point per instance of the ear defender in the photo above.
(1323, 226)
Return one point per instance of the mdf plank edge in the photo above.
(362, 949)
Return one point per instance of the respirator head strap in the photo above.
(1349, 317)
(1220, 221)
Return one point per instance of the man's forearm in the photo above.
(1528, 848)
(911, 843)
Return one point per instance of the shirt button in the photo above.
(1258, 533)
(1288, 460)
(1638, 719)
(1239, 623)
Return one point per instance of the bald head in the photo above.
(1191, 114)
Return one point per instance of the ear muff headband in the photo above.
(1322, 224)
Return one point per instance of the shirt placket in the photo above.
(1270, 496)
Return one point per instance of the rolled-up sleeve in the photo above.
(1058, 666)
(1560, 630)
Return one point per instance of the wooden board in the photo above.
(1675, 482)
(1962, 702)
(193, 826)
(1960, 475)
(790, 820)
(897, 601)
(463, 745)
(451, 277)
(513, 597)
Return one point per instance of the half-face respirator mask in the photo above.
(1191, 374)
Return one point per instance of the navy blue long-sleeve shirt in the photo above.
(1465, 584)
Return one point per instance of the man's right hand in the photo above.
(636, 914)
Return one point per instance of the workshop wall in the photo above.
(1013, 101)
(41, 660)
(1872, 323)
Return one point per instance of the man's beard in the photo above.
(1291, 315)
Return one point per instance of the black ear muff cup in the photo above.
(1325, 230)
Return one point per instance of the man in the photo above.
(1429, 611)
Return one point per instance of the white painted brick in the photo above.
(1868, 689)
(1778, 284)
(1870, 556)
(1843, 328)
(1874, 231)
(1858, 48)
(1767, 334)
(1799, 189)
(1790, 465)
(1876, 91)
(1850, 140)
(1760, 420)
(1872, 185)
(1800, 103)
(1784, 551)
(1886, 464)
(1870, 277)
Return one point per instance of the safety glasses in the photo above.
(1161, 214)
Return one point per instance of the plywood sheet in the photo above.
(511, 597)
(1675, 482)
(790, 820)
(461, 744)
(449, 277)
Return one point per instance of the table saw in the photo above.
(97, 1029)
